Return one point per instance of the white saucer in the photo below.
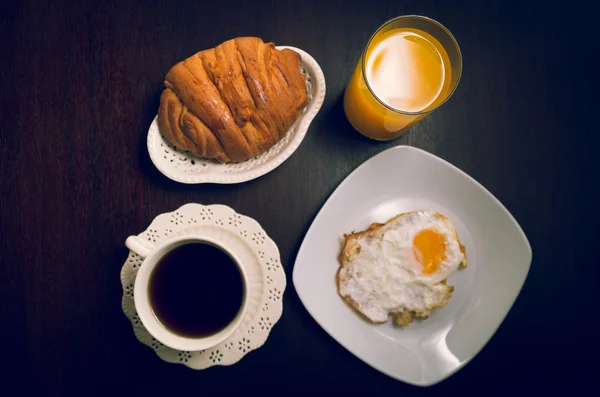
(182, 167)
(398, 180)
(261, 259)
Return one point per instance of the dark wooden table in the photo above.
(80, 86)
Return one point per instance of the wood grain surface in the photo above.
(80, 84)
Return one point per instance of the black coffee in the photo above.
(196, 290)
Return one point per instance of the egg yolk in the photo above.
(429, 248)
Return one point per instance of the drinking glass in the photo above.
(410, 67)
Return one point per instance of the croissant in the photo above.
(232, 102)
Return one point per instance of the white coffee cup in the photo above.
(153, 254)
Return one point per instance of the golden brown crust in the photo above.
(232, 102)
(463, 250)
(352, 248)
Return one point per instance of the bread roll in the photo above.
(232, 102)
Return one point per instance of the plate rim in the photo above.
(312, 110)
(445, 163)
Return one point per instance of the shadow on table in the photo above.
(148, 167)
(338, 146)
(336, 130)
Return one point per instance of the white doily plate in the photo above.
(183, 167)
(256, 251)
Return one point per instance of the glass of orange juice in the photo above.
(410, 67)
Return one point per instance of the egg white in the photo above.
(385, 276)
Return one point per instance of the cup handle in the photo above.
(140, 246)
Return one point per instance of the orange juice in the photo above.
(406, 73)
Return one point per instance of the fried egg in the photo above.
(399, 268)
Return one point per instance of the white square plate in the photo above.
(403, 179)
